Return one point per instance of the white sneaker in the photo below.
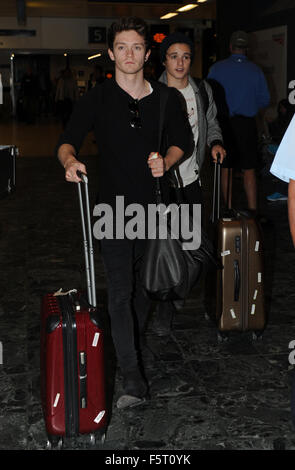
(277, 197)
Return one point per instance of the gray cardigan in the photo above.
(209, 130)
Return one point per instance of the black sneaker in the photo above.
(135, 389)
(162, 324)
(129, 401)
(179, 304)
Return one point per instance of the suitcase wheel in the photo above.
(256, 335)
(222, 337)
(206, 316)
(54, 442)
(97, 439)
(92, 440)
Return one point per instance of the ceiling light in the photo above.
(202, 1)
(188, 7)
(169, 15)
(94, 56)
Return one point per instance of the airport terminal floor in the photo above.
(205, 394)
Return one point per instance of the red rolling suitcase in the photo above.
(240, 302)
(72, 359)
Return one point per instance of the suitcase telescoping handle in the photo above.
(216, 191)
(87, 240)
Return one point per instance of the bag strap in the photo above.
(203, 93)
(164, 93)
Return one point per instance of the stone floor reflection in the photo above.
(205, 395)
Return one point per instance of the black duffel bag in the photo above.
(168, 271)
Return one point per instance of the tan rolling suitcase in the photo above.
(240, 304)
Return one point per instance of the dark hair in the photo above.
(175, 38)
(127, 24)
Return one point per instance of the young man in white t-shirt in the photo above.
(176, 54)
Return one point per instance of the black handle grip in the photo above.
(83, 176)
(216, 190)
(158, 191)
(237, 280)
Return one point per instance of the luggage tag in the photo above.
(225, 253)
(95, 339)
(60, 292)
(99, 417)
(56, 400)
(232, 312)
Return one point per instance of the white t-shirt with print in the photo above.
(189, 167)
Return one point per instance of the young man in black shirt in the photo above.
(124, 115)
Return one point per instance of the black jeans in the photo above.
(128, 304)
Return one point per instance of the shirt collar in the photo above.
(239, 57)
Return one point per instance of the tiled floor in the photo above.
(205, 395)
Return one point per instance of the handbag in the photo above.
(168, 271)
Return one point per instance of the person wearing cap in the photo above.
(177, 54)
(246, 93)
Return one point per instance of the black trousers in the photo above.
(241, 142)
(128, 304)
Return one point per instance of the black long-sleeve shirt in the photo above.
(123, 150)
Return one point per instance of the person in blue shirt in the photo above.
(246, 92)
